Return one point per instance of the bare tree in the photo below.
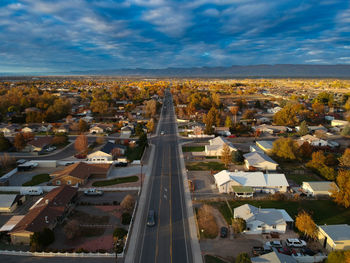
(6, 160)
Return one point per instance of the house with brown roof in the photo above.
(38, 144)
(79, 173)
(47, 213)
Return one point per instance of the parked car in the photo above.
(162, 132)
(257, 251)
(31, 191)
(295, 242)
(308, 251)
(232, 136)
(120, 164)
(223, 232)
(93, 191)
(285, 251)
(51, 148)
(276, 244)
(151, 219)
(20, 161)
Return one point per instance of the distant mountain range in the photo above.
(253, 71)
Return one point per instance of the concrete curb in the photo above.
(196, 250)
(135, 233)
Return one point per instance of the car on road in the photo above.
(276, 244)
(93, 192)
(50, 149)
(162, 132)
(295, 242)
(223, 232)
(151, 218)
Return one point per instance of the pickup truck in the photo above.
(93, 191)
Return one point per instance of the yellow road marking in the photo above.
(160, 202)
(171, 224)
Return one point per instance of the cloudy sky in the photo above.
(46, 35)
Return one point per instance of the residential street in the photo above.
(168, 240)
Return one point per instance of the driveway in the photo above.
(203, 182)
(20, 178)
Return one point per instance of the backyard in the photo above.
(193, 148)
(122, 180)
(38, 179)
(205, 166)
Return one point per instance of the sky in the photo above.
(69, 35)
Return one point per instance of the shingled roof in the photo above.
(51, 207)
(82, 170)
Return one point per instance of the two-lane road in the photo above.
(168, 240)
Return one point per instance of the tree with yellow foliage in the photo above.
(305, 224)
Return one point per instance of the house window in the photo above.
(259, 226)
(69, 182)
(58, 182)
(274, 226)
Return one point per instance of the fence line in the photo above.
(60, 254)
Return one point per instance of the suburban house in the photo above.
(263, 220)
(46, 213)
(9, 130)
(259, 161)
(334, 237)
(126, 131)
(64, 128)
(339, 123)
(244, 184)
(10, 224)
(45, 128)
(274, 110)
(319, 188)
(38, 144)
(266, 146)
(107, 153)
(79, 173)
(254, 148)
(271, 129)
(313, 141)
(216, 145)
(9, 202)
(100, 128)
(274, 257)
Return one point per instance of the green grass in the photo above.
(205, 166)
(38, 179)
(134, 153)
(322, 211)
(193, 149)
(129, 179)
(212, 259)
(300, 178)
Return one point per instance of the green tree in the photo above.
(303, 129)
(226, 157)
(4, 143)
(237, 157)
(243, 258)
(139, 129)
(238, 225)
(285, 148)
(41, 239)
(120, 233)
(346, 131)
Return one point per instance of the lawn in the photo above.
(38, 179)
(193, 148)
(134, 153)
(300, 178)
(128, 179)
(212, 259)
(322, 211)
(205, 166)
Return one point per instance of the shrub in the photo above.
(72, 229)
(126, 218)
(120, 233)
(238, 225)
(128, 203)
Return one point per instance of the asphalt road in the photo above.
(168, 240)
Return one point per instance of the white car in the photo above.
(162, 133)
(295, 242)
(276, 244)
(93, 192)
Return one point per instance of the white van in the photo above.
(31, 191)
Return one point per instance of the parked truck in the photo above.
(93, 192)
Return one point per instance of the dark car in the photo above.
(285, 251)
(308, 251)
(257, 251)
(223, 232)
(151, 219)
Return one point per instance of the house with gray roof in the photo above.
(263, 220)
(216, 146)
(334, 237)
(318, 188)
(274, 257)
(259, 161)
